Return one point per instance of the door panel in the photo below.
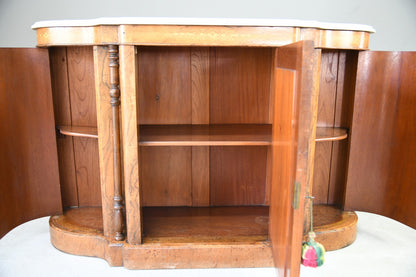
(294, 119)
(381, 172)
(29, 186)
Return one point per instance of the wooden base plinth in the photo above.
(334, 228)
(204, 238)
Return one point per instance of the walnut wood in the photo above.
(165, 175)
(79, 231)
(295, 99)
(200, 85)
(115, 108)
(88, 169)
(382, 141)
(204, 135)
(200, 176)
(334, 228)
(130, 134)
(165, 35)
(237, 175)
(240, 85)
(330, 134)
(78, 131)
(105, 138)
(164, 85)
(29, 173)
(62, 111)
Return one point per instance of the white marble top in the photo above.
(202, 22)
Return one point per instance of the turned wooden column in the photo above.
(115, 107)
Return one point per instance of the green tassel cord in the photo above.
(313, 253)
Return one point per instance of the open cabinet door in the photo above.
(295, 100)
(382, 162)
(29, 186)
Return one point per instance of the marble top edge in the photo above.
(249, 22)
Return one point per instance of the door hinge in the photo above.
(296, 195)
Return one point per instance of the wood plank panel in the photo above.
(29, 172)
(166, 176)
(240, 85)
(164, 88)
(200, 176)
(81, 86)
(130, 134)
(326, 114)
(200, 85)
(83, 113)
(238, 175)
(347, 72)
(87, 168)
(62, 111)
(383, 139)
(372, 134)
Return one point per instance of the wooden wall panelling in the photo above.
(373, 127)
(83, 109)
(166, 175)
(200, 85)
(164, 89)
(347, 72)
(296, 96)
(238, 175)
(29, 172)
(62, 111)
(200, 176)
(240, 85)
(326, 114)
(382, 158)
(200, 115)
(130, 134)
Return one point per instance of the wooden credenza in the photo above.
(186, 143)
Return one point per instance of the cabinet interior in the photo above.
(205, 128)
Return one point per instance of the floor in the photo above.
(384, 247)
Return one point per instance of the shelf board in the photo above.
(189, 135)
(334, 228)
(209, 224)
(205, 135)
(78, 131)
(330, 134)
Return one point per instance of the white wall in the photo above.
(394, 20)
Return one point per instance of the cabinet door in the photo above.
(29, 186)
(294, 120)
(382, 163)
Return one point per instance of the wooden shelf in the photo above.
(334, 228)
(179, 237)
(213, 224)
(330, 134)
(189, 135)
(77, 131)
(205, 135)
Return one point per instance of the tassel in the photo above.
(312, 252)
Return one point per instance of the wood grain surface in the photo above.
(381, 168)
(29, 173)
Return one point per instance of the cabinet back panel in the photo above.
(334, 110)
(164, 85)
(238, 175)
(72, 74)
(165, 176)
(240, 85)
